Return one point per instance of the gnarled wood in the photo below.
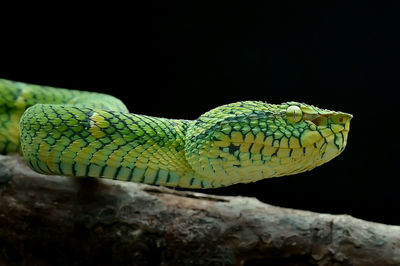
(48, 220)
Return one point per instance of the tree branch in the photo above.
(47, 220)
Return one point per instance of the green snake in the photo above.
(87, 134)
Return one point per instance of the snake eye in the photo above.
(294, 114)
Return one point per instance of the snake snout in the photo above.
(337, 118)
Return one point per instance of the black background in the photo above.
(179, 61)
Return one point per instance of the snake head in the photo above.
(321, 133)
(247, 141)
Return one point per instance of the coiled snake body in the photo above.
(77, 133)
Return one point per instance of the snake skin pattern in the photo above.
(78, 133)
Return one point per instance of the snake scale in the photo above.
(79, 133)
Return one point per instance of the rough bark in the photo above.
(56, 220)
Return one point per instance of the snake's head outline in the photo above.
(323, 130)
(247, 141)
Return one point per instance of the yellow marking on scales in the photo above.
(53, 158)
(132, 155)
(268, 141)
(224, 141)
(86, 153)
(68, 156)
(284, 142)
(259, 139)
(309, 137)
(119, 141)
(294, 143)
(96, 131)
(337, 128)
(52, 162)
(76, 145)
(237, 138)
(99, 157)
(326, 132)
(44, 148)
(297, 154)
(115, 158)
(248, 139)
(283, 153)
(150, 175)
(97, 123)
(331, 147)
